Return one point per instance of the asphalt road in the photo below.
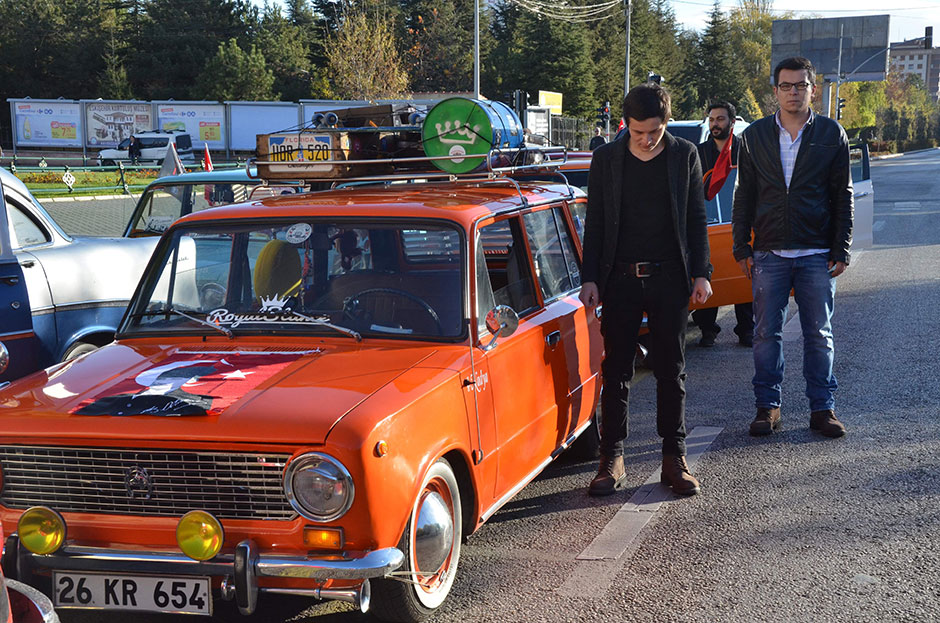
(794, 527)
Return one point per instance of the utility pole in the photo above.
(476, 49)
(628, 8)
(839, 74)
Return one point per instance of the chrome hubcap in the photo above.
(434, 534)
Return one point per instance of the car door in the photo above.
(571, 338)
(517, 384)
(30, 235)
(16, 326)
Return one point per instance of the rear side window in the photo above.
(25, 231)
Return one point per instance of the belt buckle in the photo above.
(642, 269)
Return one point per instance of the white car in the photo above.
(153, 146)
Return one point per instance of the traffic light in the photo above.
(839, 106)
(520, 102)
(603, 113)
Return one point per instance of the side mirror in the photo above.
(501, 321)
(5, 356)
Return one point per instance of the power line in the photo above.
(572, 14)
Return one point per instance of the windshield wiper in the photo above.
(170, 310)
(344, 330)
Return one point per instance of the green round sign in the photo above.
(458, 127)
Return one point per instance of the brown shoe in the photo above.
(676, 474)
(610, 478)
(826, 423)
(766, 422)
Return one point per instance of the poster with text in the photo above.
(109, 123)
(47, 123)
(205, 123)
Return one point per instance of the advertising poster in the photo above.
(252, 118)
(109, 123)
(47, 123)
(205, 123)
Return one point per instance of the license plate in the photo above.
(180, 594)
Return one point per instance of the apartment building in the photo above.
(912, 58)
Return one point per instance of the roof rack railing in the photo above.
(533, 159)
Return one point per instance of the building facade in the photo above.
(912, 58)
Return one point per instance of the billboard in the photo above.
(109, 123)
(204, 122)
(47, 123)
(864, 45)
(249, 119)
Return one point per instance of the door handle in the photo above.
(11, 280)
(553, 338)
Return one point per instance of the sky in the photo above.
(907, 19)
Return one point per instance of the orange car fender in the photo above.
(421, 416)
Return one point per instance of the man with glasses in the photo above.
(795, 192)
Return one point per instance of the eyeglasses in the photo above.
(786, 86)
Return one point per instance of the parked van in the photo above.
(153, 146)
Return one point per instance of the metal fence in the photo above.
(571, 132)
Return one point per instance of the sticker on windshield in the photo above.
(158, 223)
(298, 232)
(273, 309)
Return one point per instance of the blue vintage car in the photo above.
(59, 296)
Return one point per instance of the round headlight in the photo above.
(41, 530)
(199, 535)
(318, 487)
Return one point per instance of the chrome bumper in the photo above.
(239, 571)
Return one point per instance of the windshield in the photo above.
(688, 132)
(161, 205)
(342, 278)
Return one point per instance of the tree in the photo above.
(286, 52)
(233, 74)
(363, 62)
(719, 74)
(113, 83)
(751, 27)
(441, 57)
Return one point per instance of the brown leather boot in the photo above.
(826, 423)
(610, 478)
(766, 422)
(676, 474)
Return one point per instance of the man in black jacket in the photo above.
(795, 192)
(721, 117)
(645, 241)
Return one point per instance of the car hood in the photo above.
(212, 393)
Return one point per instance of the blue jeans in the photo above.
(814, 290)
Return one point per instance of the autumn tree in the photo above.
(363, 62)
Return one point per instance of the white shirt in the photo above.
(789, 148)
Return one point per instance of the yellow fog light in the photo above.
(41, 530)
(199, 535)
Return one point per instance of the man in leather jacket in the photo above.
(645, 250)
(794, 190)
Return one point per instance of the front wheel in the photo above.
(431, 545)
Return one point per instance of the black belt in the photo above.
(642, 269)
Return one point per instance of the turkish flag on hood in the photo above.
(720, 171)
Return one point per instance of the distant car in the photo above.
(171, 197)
(59, 296)
(153, 146)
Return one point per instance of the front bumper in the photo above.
(239, 571)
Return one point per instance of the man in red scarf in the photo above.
(719, 154)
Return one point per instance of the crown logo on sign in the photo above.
(456, 132)
(273, 303)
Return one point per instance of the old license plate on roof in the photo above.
(118, 591)
(301, 152)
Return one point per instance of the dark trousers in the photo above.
(705, 319)
(665, 299)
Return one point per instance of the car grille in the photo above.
(145, 482)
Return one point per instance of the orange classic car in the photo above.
(315, 394)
